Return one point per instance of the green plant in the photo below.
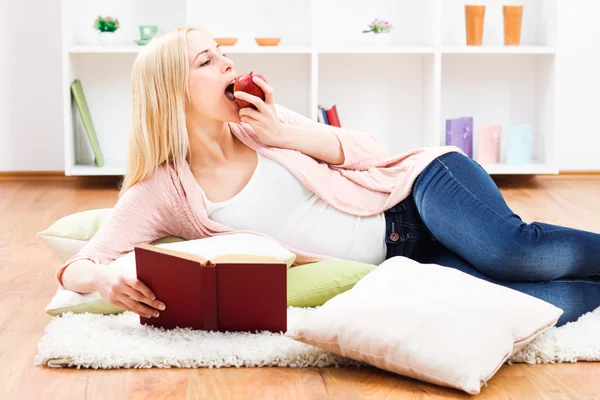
(106, 24)
(379, 26)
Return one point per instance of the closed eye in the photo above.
(208, 61)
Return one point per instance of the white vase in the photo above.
(106, 38)
(382, 39)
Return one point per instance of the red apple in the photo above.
(244, 83)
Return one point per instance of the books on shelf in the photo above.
(329, 116)
(86, 118)
(232, 292)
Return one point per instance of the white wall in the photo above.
(579, 85)
(30, 92)
(4, 114)
(30, 87)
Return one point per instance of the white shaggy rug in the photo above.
(119, 341)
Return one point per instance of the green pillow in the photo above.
(308, 285)
(312, 285)
(99, 306)
(81, 225)
(67, 236)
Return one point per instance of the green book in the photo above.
(84, 112)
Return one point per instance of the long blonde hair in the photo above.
(159, 91)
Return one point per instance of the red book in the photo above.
(332, 116)
(226, 293)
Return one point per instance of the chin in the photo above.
(231, 112)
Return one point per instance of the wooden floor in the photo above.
(30, 204)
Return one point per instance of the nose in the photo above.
(227, 65)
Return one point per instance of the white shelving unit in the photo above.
(402, 93)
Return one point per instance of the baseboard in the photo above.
(53, 176)
(32, 174)
(579, 173)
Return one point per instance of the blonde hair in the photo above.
(159, 93)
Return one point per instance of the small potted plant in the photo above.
(106, 27)
(380, 30)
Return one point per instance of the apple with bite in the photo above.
(244, 83)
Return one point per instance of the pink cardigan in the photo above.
(369, 182)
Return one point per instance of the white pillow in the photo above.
(428, 322)
(236, 243)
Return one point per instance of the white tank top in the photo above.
(277, 204)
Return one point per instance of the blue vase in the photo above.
(519, 145)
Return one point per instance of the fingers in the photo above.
(136, 295)
(146, 294)
(127, 292)
(137, 307)
(265, 88)
(256, 101)
(140, 287)
(249, 121)
(249, 116)
(249, 112)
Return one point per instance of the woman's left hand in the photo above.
(263, 121)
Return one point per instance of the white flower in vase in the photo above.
(380, 31)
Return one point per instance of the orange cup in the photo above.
(513, 16)
(474, 24)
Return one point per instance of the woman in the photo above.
(200, 166)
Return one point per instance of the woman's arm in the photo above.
(142, 215)
(319, 144)
(359, 150)
(339, 147)
(82, 276)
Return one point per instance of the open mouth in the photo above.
(229, 92)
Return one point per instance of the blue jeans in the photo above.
(457, 217)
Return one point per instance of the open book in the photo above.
(224, 293)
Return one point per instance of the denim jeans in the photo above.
(457, 217)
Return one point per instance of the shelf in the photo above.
(267, 49)
(339, 49)
(538, 24)
(105, 49)
(81, 49)
(507, 91)
(110, 168)
(498, 50)
(376, 50)
(401, 93)
(526, 169)
(118, 168)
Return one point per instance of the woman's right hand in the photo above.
(125, 291)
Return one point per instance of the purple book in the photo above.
(459, 133)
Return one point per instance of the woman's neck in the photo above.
(211, 144)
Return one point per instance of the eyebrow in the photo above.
(204, 51)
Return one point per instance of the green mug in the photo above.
(147, 32)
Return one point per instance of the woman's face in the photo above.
(210, 74)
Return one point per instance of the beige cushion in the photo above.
(428, 322)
